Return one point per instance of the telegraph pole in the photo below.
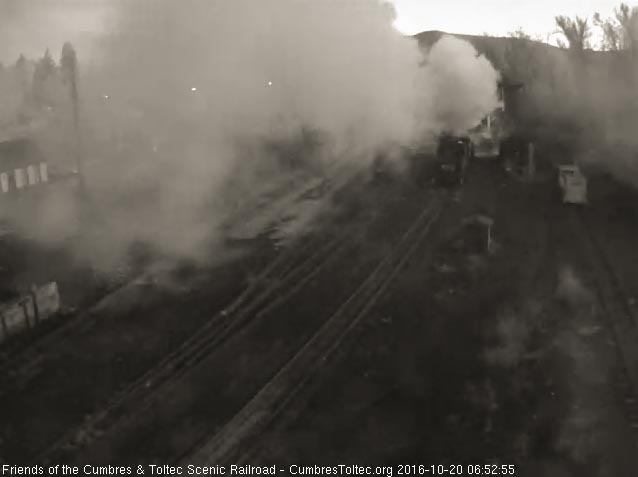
(68, 63)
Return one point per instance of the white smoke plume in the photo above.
(202, 85)
(269, 66)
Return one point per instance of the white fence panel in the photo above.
(20, 314)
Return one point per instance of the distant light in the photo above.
(193, 89)
(270, 83)
(106, 96)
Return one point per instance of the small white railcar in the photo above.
(573, 184)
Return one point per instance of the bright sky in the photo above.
(496, 17)
(29, 26)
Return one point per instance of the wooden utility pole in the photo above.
(68, 63)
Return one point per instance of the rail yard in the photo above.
(348, 326)
(288, 237)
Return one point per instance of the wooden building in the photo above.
(22, 166)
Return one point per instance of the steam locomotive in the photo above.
(453, 154)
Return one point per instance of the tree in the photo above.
(45, 70)
(620, 32)
(628, 20)
(45, 66)
(21, 72)
(21, 78)
(520, 33)
(576, 31)
(68, 62)
(612, 39)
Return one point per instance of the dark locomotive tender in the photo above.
(452, 157)
(445, 166)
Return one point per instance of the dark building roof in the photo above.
(20, 152)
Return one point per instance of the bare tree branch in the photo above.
(576, 31)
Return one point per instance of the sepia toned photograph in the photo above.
(344, 238)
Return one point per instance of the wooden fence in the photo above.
(29, 310)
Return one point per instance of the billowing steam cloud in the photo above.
(272, 65)
(207, 82)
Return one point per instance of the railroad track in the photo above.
(19, 363)
(286, 275)
(619, 315)
(22, 362)
(229, 444)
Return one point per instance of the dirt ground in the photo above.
(116, 340)
(186, 412)
(502, 357)
(472, 356)
(133, 328)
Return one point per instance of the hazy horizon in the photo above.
(30, 26)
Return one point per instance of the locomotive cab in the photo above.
(453, 154)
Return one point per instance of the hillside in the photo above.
(506, 53)
(593, 93)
